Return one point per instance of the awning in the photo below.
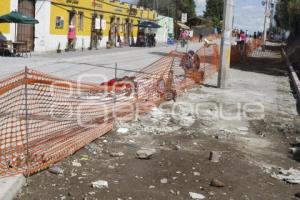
(148, 24)
(19, 18)
(183, 26)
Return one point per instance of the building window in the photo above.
(59, 22)
(80, 21)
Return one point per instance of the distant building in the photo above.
(100, 20)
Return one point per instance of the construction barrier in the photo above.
(44, 118)
(240, 53)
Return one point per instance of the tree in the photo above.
(214, 11)
(282, 14)
(168, 7)
(288, 15)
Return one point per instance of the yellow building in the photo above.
(4, 9)
(95, 21)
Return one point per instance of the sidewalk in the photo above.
(250, 125)
(11, 186)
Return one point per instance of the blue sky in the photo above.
(249, 14)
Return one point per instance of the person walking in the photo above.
(183, 37)
(200, 38)
(255, 36)
(71, 37)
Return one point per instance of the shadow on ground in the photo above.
(159, 53)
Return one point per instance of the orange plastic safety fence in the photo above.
(44, 119)
(240, 53)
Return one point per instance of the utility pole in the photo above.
(226, 43)
(265, 25)
(272, 16)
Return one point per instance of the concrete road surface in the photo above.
(91, 66)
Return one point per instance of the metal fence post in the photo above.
(115, 91)
(26, 117)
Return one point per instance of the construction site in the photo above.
(163, 132)
(209, 119)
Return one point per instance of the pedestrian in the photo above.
(243, 38)
(71, 36)
(200, 38)
(255, 36)
(119, 40)
(183, 38)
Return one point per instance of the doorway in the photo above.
(127, 32)
(113, 31)
(25, 32)
(72, 18)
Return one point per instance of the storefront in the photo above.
(96, 23)
(78, 24)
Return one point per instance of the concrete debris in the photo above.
(211, 194)
(226, 131)
(196, 173)
(111, 167)
(85, 158)
(55, 170)
(183, 120)
(73, 174)
(217, 183)
(157, 117)
(164, 181)
(243, 129)
(196, 196)
(291, 176)
(119, 154)
(296, 152)
(94, 148)
(177, 147)
(70, 194)
(123, 130)
(145, 154)
(151, 187)
(100, 184)
(215, 156)
(75, 163)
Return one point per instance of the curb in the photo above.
(293, 75)
(11, 186)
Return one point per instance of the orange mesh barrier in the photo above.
(44, 119)
(240, 53)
